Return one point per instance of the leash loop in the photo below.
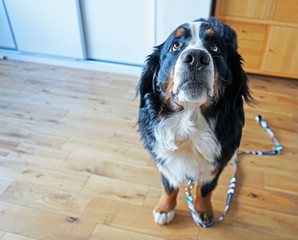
(231, 190)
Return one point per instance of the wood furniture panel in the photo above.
(249, 31)
(251, 53)
(251, 38)
(282, 52)
(286, 10)
(245, 8)
(267, 34)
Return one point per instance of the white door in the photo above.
(6, 39)
(172, 13)
(46, 26)
(119, 31)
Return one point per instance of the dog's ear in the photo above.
(147, 81)
(239, 78)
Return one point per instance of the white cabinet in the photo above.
(118, 30)
(46, 26)
(118, 33)
(171, 13)
(6, 39)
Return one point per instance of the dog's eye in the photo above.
(214, 48)
(176, 46)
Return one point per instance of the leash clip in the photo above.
(189, 187)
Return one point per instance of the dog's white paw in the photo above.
(162, 217)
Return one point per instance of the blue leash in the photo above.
(231, 189)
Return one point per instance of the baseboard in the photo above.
(72, 63)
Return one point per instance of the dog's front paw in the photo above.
(163, 217)
(205, 218)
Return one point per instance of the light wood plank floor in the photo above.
(72, 165)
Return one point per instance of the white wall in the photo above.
(77, 32)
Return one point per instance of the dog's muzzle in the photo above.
(195, 76)
(195, 59)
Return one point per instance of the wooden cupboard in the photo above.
(267, 34)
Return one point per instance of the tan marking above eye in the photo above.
(179, 32)
(209, 32)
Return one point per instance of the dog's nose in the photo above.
(195, 57)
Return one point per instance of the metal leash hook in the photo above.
(189, 187)
(196, 219)
(232, 186)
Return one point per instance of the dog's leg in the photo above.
(203, 205)
(164, 212)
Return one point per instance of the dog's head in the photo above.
(197, 64)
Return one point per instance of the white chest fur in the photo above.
(188, 147)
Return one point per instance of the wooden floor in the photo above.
(72, 166)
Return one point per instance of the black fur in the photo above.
(223, 30)
(166, 184)
(228, 108)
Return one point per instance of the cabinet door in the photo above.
(286, 10)
(47, 26)
(245, 8)
(119, 31)
(6, 39)
(251, 42)
(171, 13)
(282, 51)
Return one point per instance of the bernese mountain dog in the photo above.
(191, 110)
